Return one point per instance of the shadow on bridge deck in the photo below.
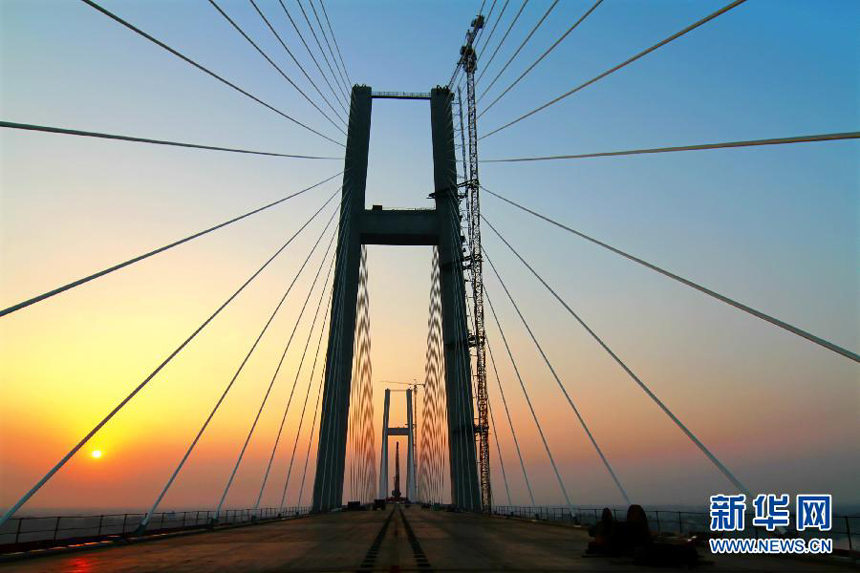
(416, 539)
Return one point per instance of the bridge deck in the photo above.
(345, 542)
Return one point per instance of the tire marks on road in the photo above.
(417, 552)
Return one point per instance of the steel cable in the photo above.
(499, 451)
(495, 25)
(337, 47)
(337, 96)
(96, 134)
(280, 362)
(203, 69)
(332, 353)
(501, 42)
(529, 402)
(11, 511)
(276, 66)
(542, 56)
(118, 266)
(510, 422)
(227, 389)
(328, 45)
(296, 61)
(307, 396)
(319, 45)
(298, 373)
(713, 294)
(465, 423)
(518, 50)
(645, 52)
(695, 147)
(335, 354)
(311, 435)
(557, 379)
(723, 469)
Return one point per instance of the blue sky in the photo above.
(776, 228)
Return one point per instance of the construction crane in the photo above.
(469, 62)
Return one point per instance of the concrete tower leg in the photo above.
(410, 450)
(383, 457)
(465, 492)
(334, 418)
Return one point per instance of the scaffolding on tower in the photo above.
(469, 62)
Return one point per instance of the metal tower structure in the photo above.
(469, 61)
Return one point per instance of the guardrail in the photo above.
(399, 95)
(20, 533)
(845, 531)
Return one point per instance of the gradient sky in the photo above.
(776, 228)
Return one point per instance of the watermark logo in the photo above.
(772, 512)
(727, 512)
(814, 512)
(772, 546)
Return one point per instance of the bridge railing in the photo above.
(62, 529)
(845, 531)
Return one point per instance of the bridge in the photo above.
(333, 508)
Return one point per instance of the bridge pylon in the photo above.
(409, 432)
(439, 227)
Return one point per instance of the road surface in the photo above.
(377, 541)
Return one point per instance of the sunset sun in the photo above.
(96, 454)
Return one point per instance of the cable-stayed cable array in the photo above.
(319, 352)
(360, 436)
(276, 66)
(693, 438)
(543, 55)
(432, 453)
(713, 294)
(311, 437)
(558, 380)
(538, 425)
(495, 25)
(499, 452)
(626, 62)
(289, 401)
(336, 401)
(296, 61)
(280, 363)
(518, 50)
(98, 426)
(338, 96)
(342, 87)
(502, 41)
(282, 502)
(340, 75)
(205, 70)
(226, 391)
(337, 47)
(516, 441)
